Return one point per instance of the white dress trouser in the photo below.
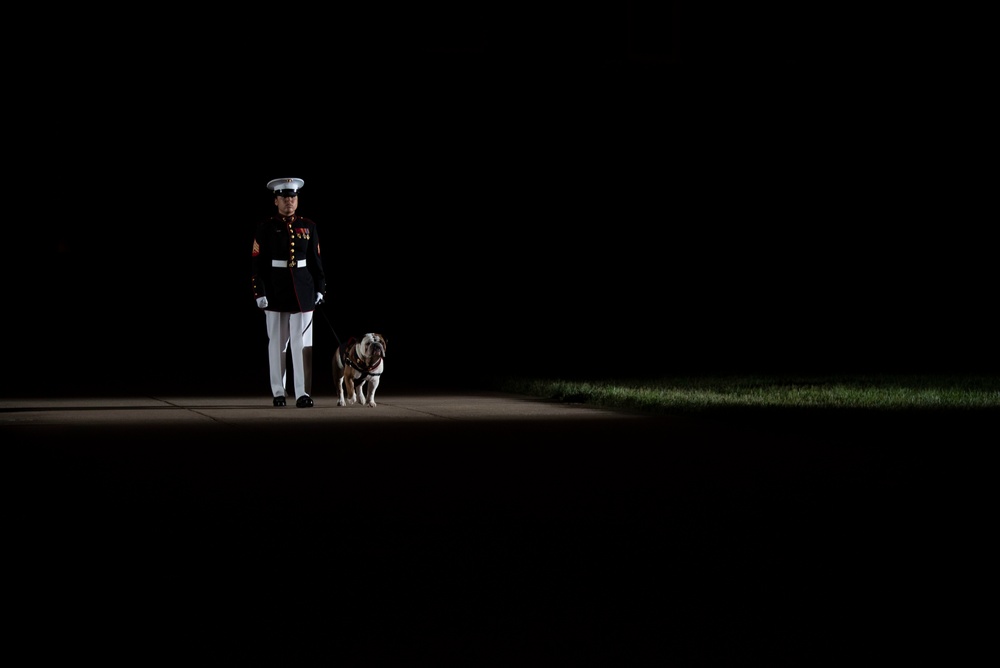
(307, 342)
(286, 329)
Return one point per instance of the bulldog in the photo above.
(359, 365)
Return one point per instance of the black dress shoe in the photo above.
(305, 401)
(279, 401)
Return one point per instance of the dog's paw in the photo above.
(341, 402)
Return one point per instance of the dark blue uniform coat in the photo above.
(292, 287)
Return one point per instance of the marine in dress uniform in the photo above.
(288, 283)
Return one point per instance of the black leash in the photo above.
(325, 317)
(342, 352)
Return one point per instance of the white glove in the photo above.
(319, 298)
(261, 302)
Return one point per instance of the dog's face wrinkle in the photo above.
(372, 346)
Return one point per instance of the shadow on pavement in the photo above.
(584, 537)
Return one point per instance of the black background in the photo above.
(561, 191)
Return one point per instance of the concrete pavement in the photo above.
(254, 411)
(456, 528)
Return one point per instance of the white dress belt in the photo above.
(283, 263)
